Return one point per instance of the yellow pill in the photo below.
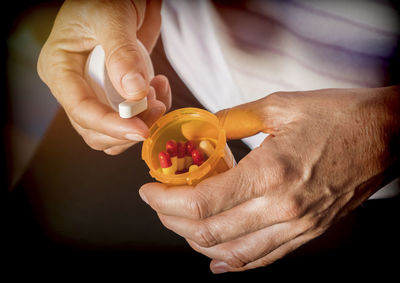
(174, 161)
(193, 168)
(207, 147)
(168, 171)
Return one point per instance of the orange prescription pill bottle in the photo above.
(182, 125)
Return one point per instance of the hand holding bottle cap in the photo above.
(97, 76)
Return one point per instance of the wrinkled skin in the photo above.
(116, 26)
(327, 153)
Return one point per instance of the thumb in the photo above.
(244, 120)
(125, 58)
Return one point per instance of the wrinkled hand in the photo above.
(116, 26)
(326, 154)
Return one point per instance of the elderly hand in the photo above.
(116, 26)
(326, 154)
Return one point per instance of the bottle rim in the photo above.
(189, 178)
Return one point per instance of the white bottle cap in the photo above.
(97, 76)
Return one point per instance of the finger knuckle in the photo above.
(273, 100)
(236, 258)
(44, 66)
(50, 63)
(267, 260)
(205, 236)
(315, 225)
(282, 102)
(277, 97)
(318, 231)
(198, 205)
(311, 223)
(292, 208)
(283, 170)
(93, 142)
(39, 66)
(122, 53)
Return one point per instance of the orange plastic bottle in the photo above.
(187, 124)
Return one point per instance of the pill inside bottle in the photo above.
(186, 146)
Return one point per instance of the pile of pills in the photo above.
(181, 157)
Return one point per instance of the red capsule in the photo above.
(165, 160)
(197, 157)
(181, 149)
(171, 148)
(190, 145)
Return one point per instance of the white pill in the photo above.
(97, 77)
(128, 109)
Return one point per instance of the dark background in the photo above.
(75, 212)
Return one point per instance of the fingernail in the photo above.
(156, 111)
(143, 197)
(151, 95)
(166, 87)
(134, 137)
(219, 267)
(133, 83)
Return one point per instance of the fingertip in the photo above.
(135, 126)
(134, 137)
(154, 111)
(151, 95)
(127, 69)
(154, 186)
(143, 196)
(242, 121)
(134, 85)
(163, 90)
(118, 149)
(149, 190)
(219, 266)
(159, 82)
